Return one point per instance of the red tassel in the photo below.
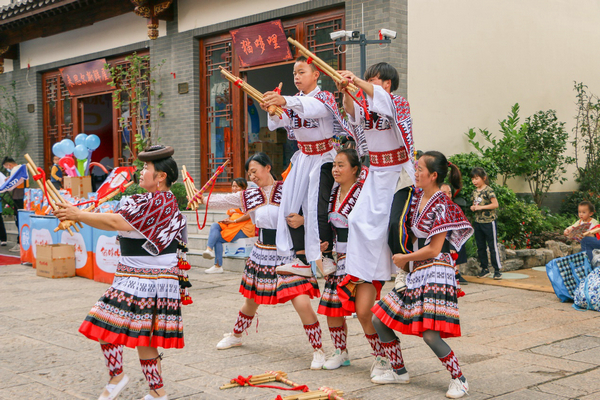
(460, 293)
(454, 256)
(183, 264)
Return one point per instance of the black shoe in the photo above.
(484, 273)
(497, 275)
(462, 280)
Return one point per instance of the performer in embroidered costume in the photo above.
(377, 226)
(428, 305)
(142, 307)
(346, 190)
(312, 118)
(260, 283)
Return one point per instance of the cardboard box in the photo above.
(276, 136)
(56, 261)
(42, 233)
(79, 186)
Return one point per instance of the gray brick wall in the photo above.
(389, 14)
(180, 126)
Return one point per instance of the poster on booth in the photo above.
(42, 233)
(84, 255)
(106, 255)
(25, 237)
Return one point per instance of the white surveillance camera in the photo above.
(340, 35)
(388, 34)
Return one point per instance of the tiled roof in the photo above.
(23, 6)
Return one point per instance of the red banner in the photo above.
(261, 44)
(86, 78)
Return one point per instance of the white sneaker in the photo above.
(338, 359)
(400, 284)
(390, 376)
(208, 254)
(229, 340)
(2, 243)
(328, 266)
(318, 359)
(457, 389)
(380, 365)
(215, 269)
(15, 249)
(114, 390)
(296, 267)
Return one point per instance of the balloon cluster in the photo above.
(82, 150)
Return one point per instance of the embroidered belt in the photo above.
(133, 247)
(268, 236)
(388, 158)
(316, 148)
(342, 234)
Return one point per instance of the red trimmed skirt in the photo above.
(330, 304)
(137, 297)
(261, 283)
(428, 303)
(346, 291)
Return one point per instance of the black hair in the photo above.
(437, 162)
(263, 160)
(479, 172)
(353, 159)
(8, 159)
(589, 205)
(303, 59)
(169, 167)
(241, 182)
(385, 72)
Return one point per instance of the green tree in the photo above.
(587, 139)
(542, 161)
(135, 83)
(13, 138)
(504, 152)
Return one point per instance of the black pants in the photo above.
(325, 229)
(18, 206)
(485, 236)
(3, 236)
(398, 233)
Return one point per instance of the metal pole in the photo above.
(363, 55)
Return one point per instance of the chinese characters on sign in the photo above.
(261, 44)
(86, 78)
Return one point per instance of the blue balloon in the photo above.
(57, 150)
(80, 152)
(80, 139)
(68, 146)
(92, 142)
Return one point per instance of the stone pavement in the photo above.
(517, 344)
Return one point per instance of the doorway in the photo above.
(260, 139)
(98, 118)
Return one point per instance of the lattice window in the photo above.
(219, 109)
(319, 42)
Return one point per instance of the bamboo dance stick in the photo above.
(58, 198)
(270, 376)
(33, 170)
(197, 193)
(321, 394)
(67, 223)
(190, 190)
(251, 91)
(323, 66)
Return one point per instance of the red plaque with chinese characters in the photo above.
(86, 78)
(261, 44)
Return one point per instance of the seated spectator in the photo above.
(585, 211)
(237, 226)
